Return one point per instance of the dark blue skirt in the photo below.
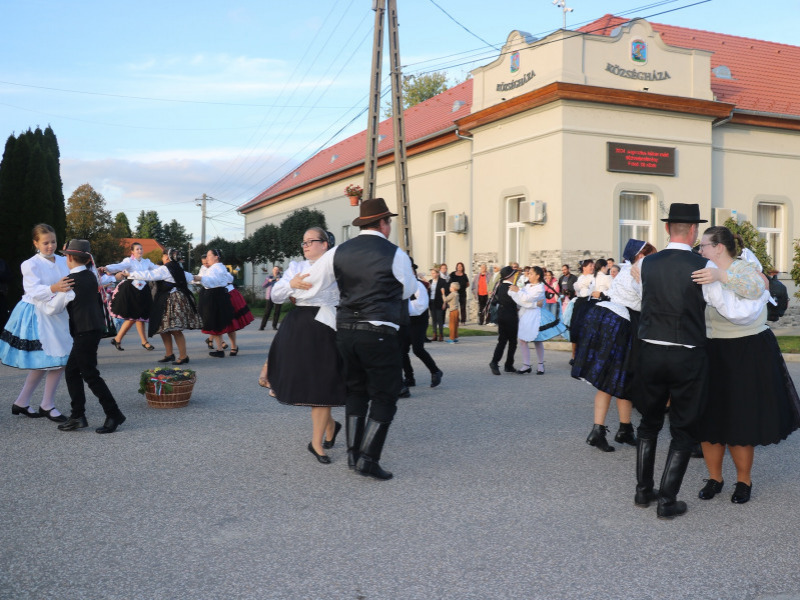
(603, 355)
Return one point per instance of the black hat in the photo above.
(371, 210)
(506, 272)
(684, 213)
(79, 248)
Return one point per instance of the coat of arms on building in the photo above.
(639, 52)
(515, 62)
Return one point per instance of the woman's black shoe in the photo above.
(54, 419)
(117, 345)
(182, 361)
(625, 434)
(167, 359)
(323, 458)
(217, 354)
(741, 493)
(328, 444)
(597, 438)
(710, 489)
(23, 410)
(524, 371)
(210, 343)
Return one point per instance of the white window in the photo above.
(769, 220)
(515, 231)
(439, 237)
(345, 234)
(635, 218)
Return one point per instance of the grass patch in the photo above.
(790, 344)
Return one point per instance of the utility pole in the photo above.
(400, 158)
(201, 202)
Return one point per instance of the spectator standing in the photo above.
(459, 276)
(438, 286)
(481, 286)
(452, 301)
(566, 285)
(551, 294)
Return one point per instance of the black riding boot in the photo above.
(669, 506)
(371, 447)
(645, 461)
(597, 438)
(354, 429)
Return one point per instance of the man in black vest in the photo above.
(374, 278)
(673, 365)
(86, 321)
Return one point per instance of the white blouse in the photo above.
(131, 264)
(216, 276)
(38, 274)
(159, 274)
(420, 303)
(584, 286)
(327, 298)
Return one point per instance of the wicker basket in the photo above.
(178, 397)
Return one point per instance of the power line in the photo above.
(475, 35)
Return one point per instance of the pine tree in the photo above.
(148, 226)
(121, 227)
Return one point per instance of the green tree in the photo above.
(88, 219)
(121, 227)
(753, 240)
(175, 236)
(294, 226)
(418, 88)
(795, 273)
(265, 245)
(149, 226)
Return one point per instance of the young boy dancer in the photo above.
(86, 327)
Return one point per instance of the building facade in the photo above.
(565, 147)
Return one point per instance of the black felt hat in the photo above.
(684, 213)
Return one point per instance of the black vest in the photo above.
(673, 309)
(368, 289)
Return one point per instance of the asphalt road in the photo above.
(495, 495)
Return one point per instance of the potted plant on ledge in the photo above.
(354, 192)
(166, 387)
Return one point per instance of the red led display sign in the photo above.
(648, 160)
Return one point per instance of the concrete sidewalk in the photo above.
(495, 495)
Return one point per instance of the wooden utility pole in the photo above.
(400, 159)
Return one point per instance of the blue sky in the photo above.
(156, 103)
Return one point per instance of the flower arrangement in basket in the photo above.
(354, 192)
(167, 388)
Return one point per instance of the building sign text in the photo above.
(632, 158)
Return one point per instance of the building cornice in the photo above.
(586, 93)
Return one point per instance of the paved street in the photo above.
(495, 495)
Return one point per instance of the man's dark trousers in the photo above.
(82, 366)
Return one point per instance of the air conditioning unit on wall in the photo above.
(457, 223)
(532, 212)
(723, 214)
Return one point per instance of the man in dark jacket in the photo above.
(86, 321)
(507, 321)
(673, 365)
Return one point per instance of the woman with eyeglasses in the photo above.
(308, 333)
(752, 400)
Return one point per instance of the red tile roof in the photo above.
(765, 74)
(764, 79)
(148, 245)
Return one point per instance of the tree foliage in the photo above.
(149, 226)
(294, 226)
(121, 227)
(753, 240)
(175, 236)
(30, 193)
(418, 88)
(88, 219)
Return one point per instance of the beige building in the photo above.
(566, 146)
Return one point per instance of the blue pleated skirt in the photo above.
(549, 326)
(19, 343)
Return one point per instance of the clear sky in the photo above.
(156, 103)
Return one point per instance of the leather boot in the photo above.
(669, 506)
(354, 430)
(645, 461)
(371, 447)
(597, 438)
(625, 434)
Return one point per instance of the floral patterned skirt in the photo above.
(179, 314)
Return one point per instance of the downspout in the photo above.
(719, 122)
(470, 219)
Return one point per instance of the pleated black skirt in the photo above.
(305, 368)
(130, 303)
(752, 400)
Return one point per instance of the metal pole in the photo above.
(400, 160)
(371, 160)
